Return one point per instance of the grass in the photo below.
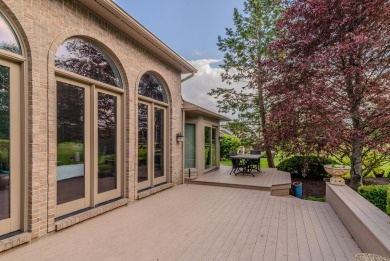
(66, 152)
(320, 199)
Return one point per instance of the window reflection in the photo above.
(82, 57)
(4, 143)
(158, 142)
(142, 142)
(190, 145)
(151, 87)
(8, 39)
(107, 128)
(70, 143)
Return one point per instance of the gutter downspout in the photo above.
(188, 77)
(182, 145)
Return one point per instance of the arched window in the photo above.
(8, 39)
(150, 86)
(88, 173)
(79, 56)
(152, 132)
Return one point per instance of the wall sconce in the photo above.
(179, 137)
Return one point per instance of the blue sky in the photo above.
(191, 28)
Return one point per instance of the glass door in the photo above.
(10, 148)
(151, 145)
(107, 146)
(73, 146)
(88, 146)
(210, 151)
(143, 146)
(159, 146)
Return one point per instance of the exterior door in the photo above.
(108, 158)
(88, 146)
(210, 147)
(10, 147)
(73, 146)
(152, 145)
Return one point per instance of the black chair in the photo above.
(255, 163)
(236, 163)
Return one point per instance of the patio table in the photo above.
(246, 158)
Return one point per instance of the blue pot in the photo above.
(297, 186)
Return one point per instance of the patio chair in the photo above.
(370, 257)
(254, 163)
(236, 163)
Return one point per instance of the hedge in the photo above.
(295, 166)
(378, 195)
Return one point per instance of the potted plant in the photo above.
(337, 171)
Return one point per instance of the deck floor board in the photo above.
(194, 222)
(262, 180)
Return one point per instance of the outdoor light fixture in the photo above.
(179, 137)
(220, 138)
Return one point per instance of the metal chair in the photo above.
(370, 257)
(236, 163)
(255, 163)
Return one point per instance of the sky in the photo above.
(191, 28)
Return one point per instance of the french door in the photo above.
(10, 147)
(152, 145)
(89, 155)
(210, 147)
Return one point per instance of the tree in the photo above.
(243, 48)
(247, 135)
(329, 85)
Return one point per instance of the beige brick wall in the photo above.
(43, 26)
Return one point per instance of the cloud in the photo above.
(195, 89)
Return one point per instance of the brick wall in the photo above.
(43, 25)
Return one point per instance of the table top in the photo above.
(246, 156)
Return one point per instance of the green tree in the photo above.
(229, 143)
(244, 48)
(247, 135)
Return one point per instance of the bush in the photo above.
(315, 166)
(378, 195)
(229, 143)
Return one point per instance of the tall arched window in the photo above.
(10, 119)
(89, 172)
(152, 132)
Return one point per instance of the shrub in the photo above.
(228, 144)
(315, 166)
(388, 202)
(378, 195)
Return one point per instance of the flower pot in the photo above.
(297, 187)
(337, 171)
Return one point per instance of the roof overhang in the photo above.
(115, 15)
(195, 110)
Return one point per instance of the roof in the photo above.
(197, 110)
(115, 15)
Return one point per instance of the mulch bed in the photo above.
(310, 187)
(317, 187)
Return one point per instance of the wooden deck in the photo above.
(268, 179)
(193, 222)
